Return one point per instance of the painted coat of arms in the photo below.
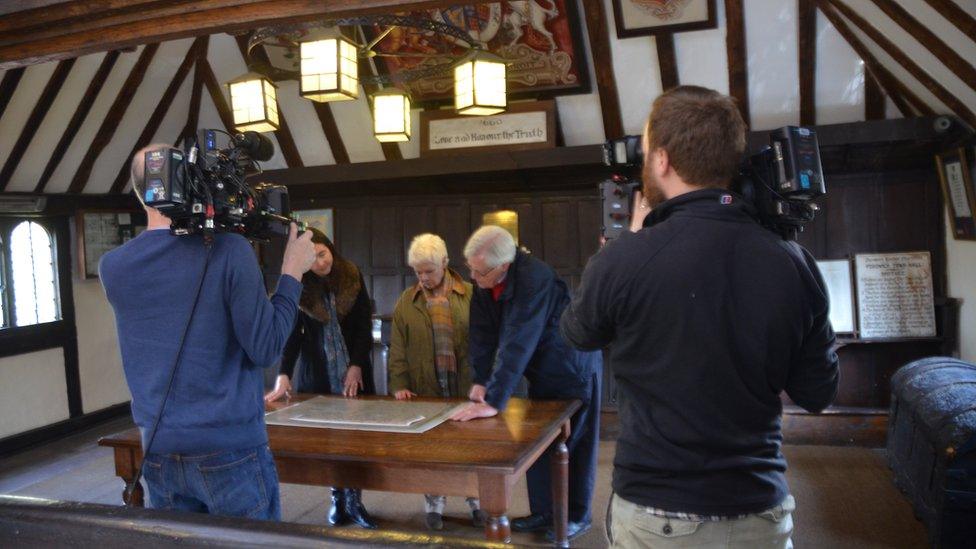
(539, 38)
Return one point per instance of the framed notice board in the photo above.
(101, 231)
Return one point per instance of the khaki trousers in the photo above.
(633, 527)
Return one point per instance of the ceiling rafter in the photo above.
(937, 89)
(159, 113)
(597, 29)
(54, 85)
(78, 118)
(331, 129)
(735, 47)
(196, 95)
(874, 98)
(807, 54)
(112, 120)
(667, 61)
(963, 69)
(8, 86)
(160, 21)
(897, 91)
(216, 94)
(285, 140)
(955, 15)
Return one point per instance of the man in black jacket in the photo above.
(709, 317)
(514, 331)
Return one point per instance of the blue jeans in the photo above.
(232, 483)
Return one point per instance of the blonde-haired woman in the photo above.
(429, 342)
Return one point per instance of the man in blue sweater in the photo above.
(210, 452)
(709, 317)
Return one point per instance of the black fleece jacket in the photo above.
(709, 317)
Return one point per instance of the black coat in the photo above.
(519, 335)
(306, 341)
(709, 317)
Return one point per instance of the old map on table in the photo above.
(393, 416)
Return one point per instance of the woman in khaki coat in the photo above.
(429, 343)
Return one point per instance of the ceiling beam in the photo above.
(36, 118)
(937, 89)
(331, 129)
(735, 47)
(874, 98)
(193, 112)
(963, 69)
(216, 95)
(112, 119)
(78, 118)
(598, 30)
(162, 21)
(807, 51)
(667, 61)
(8, 86)
(955, 15)
(285, 140)
(159, 113)
(895, 89)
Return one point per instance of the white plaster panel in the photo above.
(637, 72)
(701, 55)
(35, 158)
(773, 66)
(159, 74)
(86, 134)
(839, 77)
(33, 391)
(306, 129)
(21, 104)
(918, 53)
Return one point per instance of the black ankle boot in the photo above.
(355, 509)
(338, 513)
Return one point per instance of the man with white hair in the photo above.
(514, 332)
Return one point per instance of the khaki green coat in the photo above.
(411, 360)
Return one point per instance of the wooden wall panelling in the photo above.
(560, 225)
(386, 228)
(451, 222)
(352, 233)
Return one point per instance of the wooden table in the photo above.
(482, 458)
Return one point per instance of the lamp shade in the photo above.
(254, 103)
(329, 70)
(391, 115)
(479, 84)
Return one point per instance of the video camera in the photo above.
(202, 189)
(781, 181)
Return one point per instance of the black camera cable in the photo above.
(130, 488)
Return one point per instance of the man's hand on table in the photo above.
(474, 410)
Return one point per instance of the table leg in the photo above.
(494, 492)
(126, 467)
(137, 499)
(560, 488)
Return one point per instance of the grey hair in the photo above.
(427, 248)
(494, 244)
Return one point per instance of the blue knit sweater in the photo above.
(216, 401)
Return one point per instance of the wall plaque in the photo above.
(837, 275)
(99, 232)
(522, 126)
(894, 295)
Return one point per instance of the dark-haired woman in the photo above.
(330, 345)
